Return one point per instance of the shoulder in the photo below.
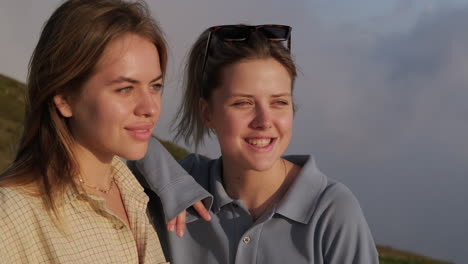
(331, 196)
(339, 201)
(16, 206)
(339, 194)
(12, 198)
(344, 230)
(336, 216)
(17, 213)
(339, 214)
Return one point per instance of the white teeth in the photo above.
(259, 142)
(143, 130)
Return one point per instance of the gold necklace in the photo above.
(97, 188)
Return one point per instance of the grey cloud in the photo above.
(386, 114)
(404, 6)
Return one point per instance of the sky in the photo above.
(381, 99)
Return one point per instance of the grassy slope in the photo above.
(177, 152)
(389, 255)
(11, 115)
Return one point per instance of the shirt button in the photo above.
(246, 239)
(118, 226)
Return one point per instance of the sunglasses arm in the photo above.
(205, 58)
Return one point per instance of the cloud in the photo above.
(386, 114)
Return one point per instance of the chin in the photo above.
(133, 154)
(261, 165)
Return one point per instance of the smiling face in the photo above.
(116, 109)
(251, 113)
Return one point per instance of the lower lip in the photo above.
(262, 149)
(140, 135)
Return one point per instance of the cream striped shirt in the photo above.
(29, 235)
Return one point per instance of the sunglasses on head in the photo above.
(242, 32)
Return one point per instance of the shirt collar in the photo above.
(221, 198)
(300, 201)
(127, 183)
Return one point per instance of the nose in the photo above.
(262, 119)
(147, 104)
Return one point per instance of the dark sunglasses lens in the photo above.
(233, 33)
(280, 33)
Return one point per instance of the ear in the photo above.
(205, 113)
(63, 106)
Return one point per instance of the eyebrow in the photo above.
(281, 95)
(122, 79)
(251, 96)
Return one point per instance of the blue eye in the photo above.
(124, 90)
(157, 86)
(281, 102)
(242, 103)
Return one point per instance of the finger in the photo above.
(201, 210)
(180, 224)
(171, 225)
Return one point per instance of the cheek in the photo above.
(105, 112)
(285, 122)
(229, 123)
(115, 114)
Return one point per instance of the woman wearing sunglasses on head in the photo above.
(266, 208)
(93, 95)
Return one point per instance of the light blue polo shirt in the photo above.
(318, 220)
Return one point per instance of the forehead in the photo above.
(256, 76)
(130, 57)
(126, 47)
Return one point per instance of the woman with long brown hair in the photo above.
(94, 94)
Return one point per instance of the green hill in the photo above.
(389, 255)
(11, 115)
(177, 152)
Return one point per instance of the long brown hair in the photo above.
(71, 43)
(188, 124)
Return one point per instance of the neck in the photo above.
(257, 189)
(93, 170)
